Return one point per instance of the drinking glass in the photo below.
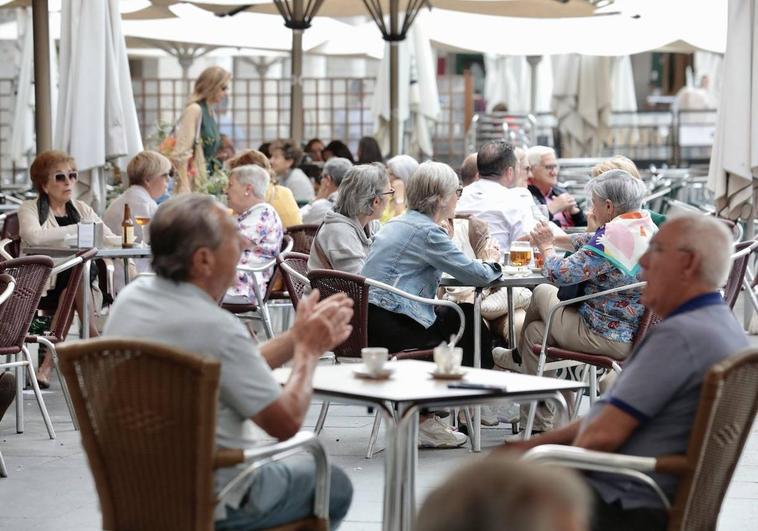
(143, 222)
(521, 253)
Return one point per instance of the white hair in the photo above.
(402, 167)
(430, 186)
(711, 240)
(535, 153)
(255, 176)
(620, 188)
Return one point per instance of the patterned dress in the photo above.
(261, 225)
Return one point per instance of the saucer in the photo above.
(514, 271)
(536, 269)
(363, 372)
(458, 375)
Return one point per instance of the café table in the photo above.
(114, 253)
(400, 398)
(507, 281)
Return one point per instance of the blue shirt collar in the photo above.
(706, 299)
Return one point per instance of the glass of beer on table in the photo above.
(142, 221)
(521, 254)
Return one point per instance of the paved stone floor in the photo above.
(50, 487)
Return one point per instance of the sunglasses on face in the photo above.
(459, 191)
(61, 177)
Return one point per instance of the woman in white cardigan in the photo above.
(52, 217)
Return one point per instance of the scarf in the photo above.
(43, 209)
(623, 240)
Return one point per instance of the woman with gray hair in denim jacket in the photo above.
(411, 252)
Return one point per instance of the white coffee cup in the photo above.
(374, 358)
(448, 359)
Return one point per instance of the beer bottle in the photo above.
(127, 228)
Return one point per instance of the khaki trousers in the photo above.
(568, 330)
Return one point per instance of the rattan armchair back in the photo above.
(737, 273)
(728, 406)
(147, 414)
(295, 288)
(302, 237)
(31, 274)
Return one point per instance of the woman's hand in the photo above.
(542, 236)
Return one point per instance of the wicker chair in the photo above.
(31, 274)
(740, 260)
(294, 268)
(64, 316)
(10, 232)
(329, 282)
(148, 417)
(728, 406)
(564, 358)
(7, 285)
(258, 310)
(302, 236)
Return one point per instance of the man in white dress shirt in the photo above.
(492, 198)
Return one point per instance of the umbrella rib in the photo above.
(375, 10)
(284, 9)
(414, 6)
(312, 9)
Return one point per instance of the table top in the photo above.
(505, 281)
(105, 252)
(411, 381)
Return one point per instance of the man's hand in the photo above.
(562, 202)
(320, 326)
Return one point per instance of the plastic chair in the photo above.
(329, 282)
(148, 418)
(7, 285)
(31, 274)
(728, 406)
(302, 237)
(64, 316)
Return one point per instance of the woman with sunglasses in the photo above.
(344, 238)
(197, 135)
(52, 219)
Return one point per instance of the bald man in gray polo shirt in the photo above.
(196, 249)
(650, 408)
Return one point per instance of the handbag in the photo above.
(571, 291)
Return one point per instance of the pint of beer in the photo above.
(521, 253)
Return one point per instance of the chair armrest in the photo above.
(259, 456)
(294, 274)
(3, 244)
(583, 298)
(66, 265)
(434, 302)
(625, 465)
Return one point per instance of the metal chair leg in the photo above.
(20, 375)
(38, 394)
(374, 434)
(470, 426)
(3, 469)
(64, 387)
(321, 417)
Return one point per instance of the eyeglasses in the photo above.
(551, 167)
(170, 174)
(459, 191)
(61, 176)
(391, 192)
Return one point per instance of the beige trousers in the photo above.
(568, 330)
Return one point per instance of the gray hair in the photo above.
(336, 168)
(620, 188)
(402, 167)
(430, 186)
(360, 186)
(710, 239)
(535, 153)
(181, 226)
(255, 176)
(530, 497)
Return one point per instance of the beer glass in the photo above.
(521, 253)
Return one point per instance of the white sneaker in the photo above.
(503, 358)
(433, 433)
(489, 417)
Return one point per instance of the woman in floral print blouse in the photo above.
(258, 223)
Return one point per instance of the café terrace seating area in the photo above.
(396, 265)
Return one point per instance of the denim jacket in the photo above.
(411, 252)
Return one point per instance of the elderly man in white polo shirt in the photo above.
(492, 198)
(196, 248)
